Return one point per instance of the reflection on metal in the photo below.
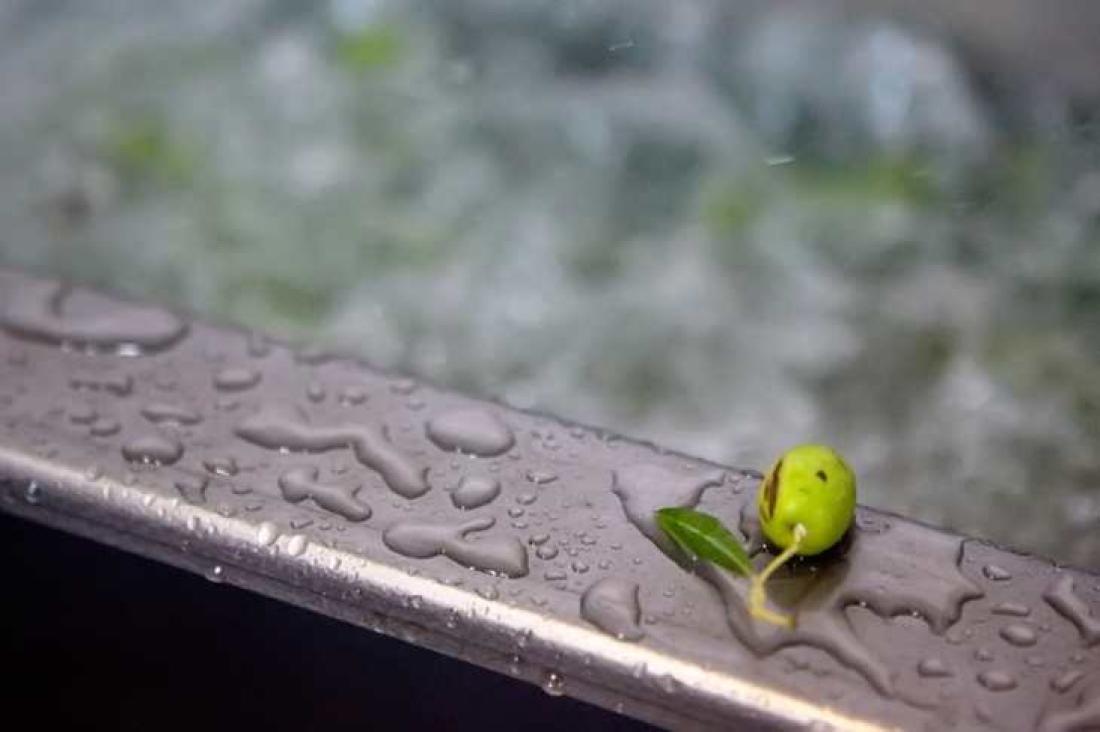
(321, 482)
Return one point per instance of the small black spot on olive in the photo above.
(821, 474)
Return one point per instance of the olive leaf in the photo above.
(702, 536)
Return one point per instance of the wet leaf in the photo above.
(702, 536)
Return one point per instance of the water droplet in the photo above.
(216, 574)
(933, 668)
(997, 680)
(667, 683)
(236, 378)
(275, 430)
(152, 450)
(224, 466)
(546, 552)
(1019, 635)
(538, 539)
(553, 683)
(526, 499)
(1066, 681)
(1060, 596)
(611, 604)
(296, 545)
(192, 488)
(33, 493)
(93, 472)
(541, 477)
(995, 573)
(105, 427)
(118, 384)
(498, 554)
(161, 412)
(302, 483)
(474, 492)
(82, 414)
(1013, 609)
(579, 567)
(515, 665)
(36, 310)
(474, 431)
(267, 533)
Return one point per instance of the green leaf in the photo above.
(702, 536)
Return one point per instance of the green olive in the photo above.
(811, 486)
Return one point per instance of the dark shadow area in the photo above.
(99, 638)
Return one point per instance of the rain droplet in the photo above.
(995, 573)
(933, 668)
(997, 680)
(236, 378)
(296, 545)
(541, 477)
(474, 431)
(553, 684)
(1019, 635)
(611, 604)
(267, 533)
(152, 450)
(223, 466)
(82, 414)
(1066, 681)
(105, 427)
(161, 412)
(474, 492)
(192, 488)
(1013, 609)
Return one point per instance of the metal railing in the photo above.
(510, 540)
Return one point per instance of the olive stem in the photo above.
(758, 596)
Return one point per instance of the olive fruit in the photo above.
(811, 486)
(806, 503)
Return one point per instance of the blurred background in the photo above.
(727, 227)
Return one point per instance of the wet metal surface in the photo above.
(511, 540)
